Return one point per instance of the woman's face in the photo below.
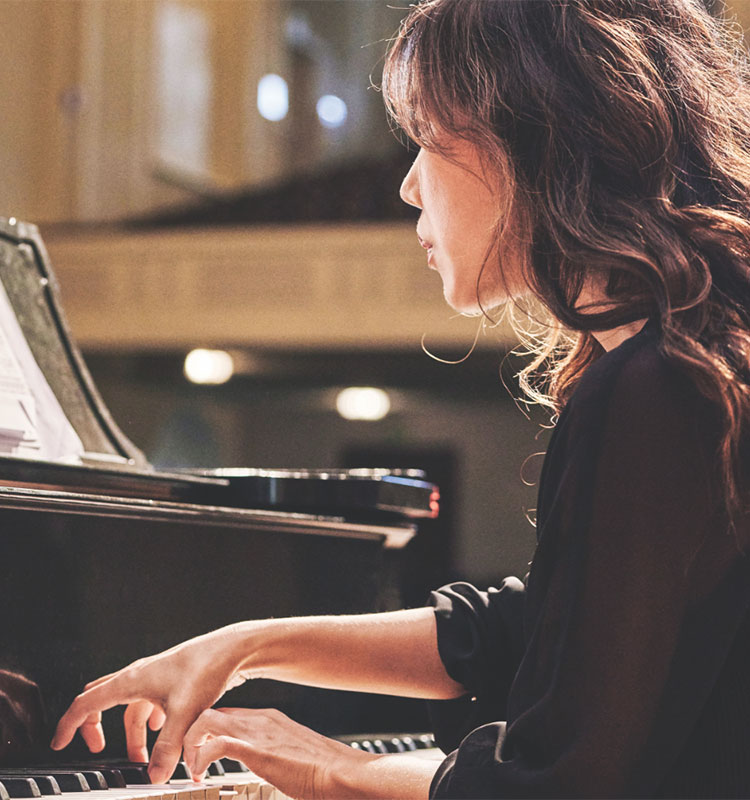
(459, 213)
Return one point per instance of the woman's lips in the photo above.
(428, 247)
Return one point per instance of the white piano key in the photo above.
(195, 791)
(248, 786)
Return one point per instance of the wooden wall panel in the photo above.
(352, 286)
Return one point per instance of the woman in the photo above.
(595, 154)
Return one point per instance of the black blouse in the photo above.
(622, 667)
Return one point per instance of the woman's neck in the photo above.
(593, 299)
(616, 336)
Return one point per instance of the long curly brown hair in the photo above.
(623, 130)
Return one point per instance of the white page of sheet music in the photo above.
(32, 423)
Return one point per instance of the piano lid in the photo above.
(354, 493)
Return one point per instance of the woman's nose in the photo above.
(410, 187)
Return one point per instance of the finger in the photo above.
(210, 723)
(134, 719)
(86, 708)
(168, 746)
(215, 748)
(216, 722)
(156, 720)
(93, 733)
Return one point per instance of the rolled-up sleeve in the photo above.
(480, 641)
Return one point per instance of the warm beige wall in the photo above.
(117, 171)
(35, 155)
(740, 9)
(303, 287)
(78, 101)
(74, 99)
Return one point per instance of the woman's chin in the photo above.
(470, 304)
(464, 306)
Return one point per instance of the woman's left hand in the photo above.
(295, 759)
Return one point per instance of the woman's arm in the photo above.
(390, 653)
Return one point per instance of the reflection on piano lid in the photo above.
(109, 464)
(354, 492)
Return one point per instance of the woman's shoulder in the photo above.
(638, 427)
(636, 374)
(636, 390)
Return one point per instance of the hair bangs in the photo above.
(418, 90)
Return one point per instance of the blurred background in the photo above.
(217, 185)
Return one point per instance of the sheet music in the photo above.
(32, 423)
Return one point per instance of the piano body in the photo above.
(106, 559)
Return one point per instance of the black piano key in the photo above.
(395, 745)
(47, 784)
(17, 786)
(425, 741)
(113, 777)
(367, 745)
(409, 743)
(70, 781)
(181, 771)
(231, 765)
(44, 779)
(379, 745)
(117, 773)
(135, 774)
(94, 778)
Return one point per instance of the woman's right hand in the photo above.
(167, 691)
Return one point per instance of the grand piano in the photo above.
(106, 559)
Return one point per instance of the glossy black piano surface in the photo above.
(106, 560)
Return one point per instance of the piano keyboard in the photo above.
(226, 779)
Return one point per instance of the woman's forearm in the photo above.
(390, 777)
(388, 653)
